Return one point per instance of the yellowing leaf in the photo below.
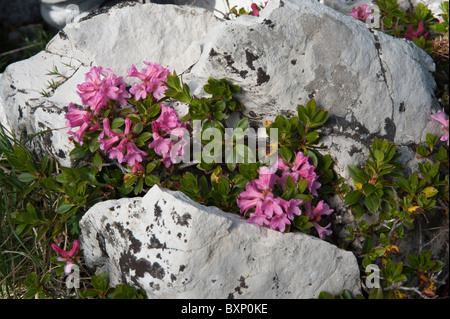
(391, 249)
(430, 191)
(358, 186)
(413, 208)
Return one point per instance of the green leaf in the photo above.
(312, 136)
(372, 203)
(302, 116)
(357, 174)
(64, 208)
(376, 293)
(151, 180)
(311, 109)
(286, 153)
(117, 122)
(379, 155)
(242, 124)
(79, 152)
(404, 184)
(367, 246)
(26, 177)
(352, 198)
(137, 129)
(139, 186)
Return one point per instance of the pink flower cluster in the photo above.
(164, 128)
(361, 13)
(277, 212)
(103, 85)
(440, 117)
(100, 86)
(152, 78)
(273, 211)
(416, 34)
(108, 138)
(301, 168)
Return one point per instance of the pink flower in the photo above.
(440, 117)
(258, 218)
(266, 179)
(271, 205)
(68, 256)
(137, 169)
(171, 148)
(250, 198)
(315, 215)
(168, 120)
(361, 13)
(152, 78)
(100, 86)
(79, 134)
(106, 144)
(291, 207)
(279, 222)
(255, 9)
(134, 154)
(76, 117)
(139, 91)
(160, 144)
(301, 168)
(117, 152)
(416, 34)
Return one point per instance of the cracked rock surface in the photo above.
(175, 248)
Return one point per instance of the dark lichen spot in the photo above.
(213, 53)
(242, 285)
(182, 267)
(243, 74)
(155, 243)
(173, 277)
(269, 23)
(294, 62)
(101, 244)
(390, 129)
(181, 220)
(127, 234)
(62, 35)
(140, 266)
(250, 57)
(157, 211)
(61, 154)
(261, 77)
(353, 150)
(402, 107)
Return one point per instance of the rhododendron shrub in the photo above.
(130, 126)
(113, 126)
(266, 201)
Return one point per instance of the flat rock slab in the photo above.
(173, 247)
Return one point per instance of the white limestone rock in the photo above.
(124, 35)
(351, 71)
(172, 247)
(357, 74)
(26, 111)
